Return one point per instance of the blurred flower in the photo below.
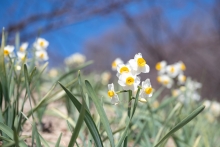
(105, 77)
(115, 63)
(76, 58)
(181, 79)
(18, 67)
(138, 64)
(161, 67)
(207, 103)
(21, 56)
(156, 104)
(215, 109)
(42, 55)
(146, 90)
(112, 94)
(8, 50)
(23, 47)
(173, 70)
(129, 81)
(181, 65)
(53, 73)
(165, 80)
(41, 44)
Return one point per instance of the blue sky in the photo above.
(71, 38)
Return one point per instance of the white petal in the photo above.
(137, 81)
(145, 69)
(122, 83)
(111, 87)
(133, 64)
(138, 55)
(115, 99)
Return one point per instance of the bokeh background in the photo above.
(186, 30)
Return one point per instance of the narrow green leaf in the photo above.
(88, 119)
(101, 112)
(58, 141)
(44, 142)
(36, 135)
(182, 123)
(5, 129)
(3, 77)
(80, 119)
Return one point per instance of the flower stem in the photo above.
(129, 115)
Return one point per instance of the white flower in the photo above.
(112, 94)
(129, 81)
(173, 70)
(207, 103)
(23, 47)
(21, 56)
(165, 80)
(138, 64)
(53, 73)
(215, 109)
(106, 76)
(18, 67)
(146, 90)
(161, 67)
(76, 58)
(181, 65)
(8, 50)
(42, 55)
(122, 68)
(115, 63)
(41, 44)
(181, 79)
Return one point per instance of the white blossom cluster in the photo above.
(128, 78)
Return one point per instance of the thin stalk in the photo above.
(129, 115)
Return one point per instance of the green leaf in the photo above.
(3, 75)
(101, 112)
(182, 123)
(81, 117)
(44, 142)
(58, 141)
(88, 119)
(5, 129)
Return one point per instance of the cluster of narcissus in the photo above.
(128, 78)
(173, 76)
(40, 46)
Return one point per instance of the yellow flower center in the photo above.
(114, 64)
(166, 81)
(129, 80)
(148, 90)
(21, 49)
(158, 66)
(183, 78)
(23, 58)
(6, 52)
(183, 67)
(41, 55)
(111, 93)
(141, 62)
(42, 44)
(159, 79)
(124, 69)
(172, 69)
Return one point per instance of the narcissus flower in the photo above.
(122, 68)
(115, 63)
(181, 65)
(41, 44)
(138, 64)
(8, 50)
(146, 90)
(165, 80)
(23, 47)
(129, 81)
(112, 94)
(75, 58)
(106, 76)
(161, 67)
(173, 70)
(21, 56)
(42, 55)
(181, 79)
